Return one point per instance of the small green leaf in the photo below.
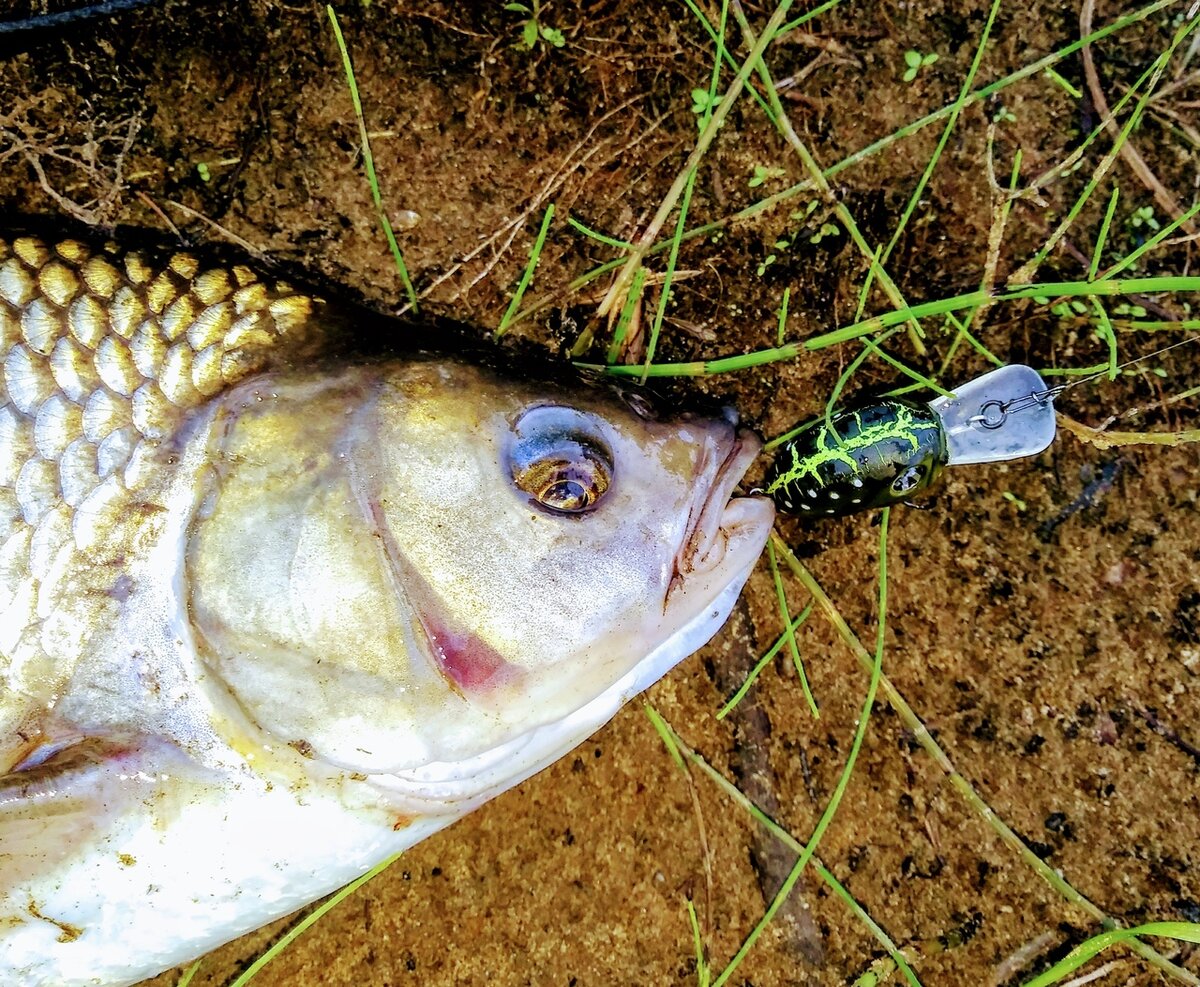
(554, 36)
(1016, 501)
(912, 59)
(529, 33)
(909, 75)
(519, 8)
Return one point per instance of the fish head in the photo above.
(444, 579)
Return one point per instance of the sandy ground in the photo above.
(1049, 639)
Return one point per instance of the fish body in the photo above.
(269, 617)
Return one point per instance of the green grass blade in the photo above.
(663, 729)
(1183, 931)
(1102, 236)
(369, 160)
(610, 241)
(309, 920)
(189, 973)
(527, 275)
(762, 662)
(1149, 79)
(739, 798)
(781, 597)
(1153, 242)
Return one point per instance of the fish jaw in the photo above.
(469, 783)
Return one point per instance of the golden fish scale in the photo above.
(102, 355)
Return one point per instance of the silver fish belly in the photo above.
(268, 618)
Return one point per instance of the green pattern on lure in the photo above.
(872, 456)
(887, 451)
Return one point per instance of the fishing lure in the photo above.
(889, 450)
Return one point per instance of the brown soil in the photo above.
(1051, 642)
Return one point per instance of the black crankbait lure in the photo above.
(887, 451)
(866, 457)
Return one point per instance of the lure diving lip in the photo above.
(886, 451)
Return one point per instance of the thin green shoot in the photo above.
(309, 920)
(931, 747)
(664, 294)
(527, 275)
(1156, 325)
(790, 434)
(789, 633)
(1102, 236)
(804, 18)
(663, 729)
(1105, 329)
(839, 790)
(703, 973)
(963, 332)
(703, 100)
(864, 293)
(763, 662)
(189, 974)
(630, 306)
(599, 237)
(1191, 392)
(914, 375)
(783, 312)
(1182, 931)
(1095, 368)
(1136, 255)
(369, 161)
(685, 201)
(778, 33)
(789, 351)
(1073, 91)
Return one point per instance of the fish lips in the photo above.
(719, 522)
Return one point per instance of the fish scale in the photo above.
(103, 353)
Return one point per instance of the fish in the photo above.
(270, 614)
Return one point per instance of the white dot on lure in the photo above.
(810, 492)
(855, 482)
(833, 495)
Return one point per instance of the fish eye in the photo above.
(564, 469)
(907, 480)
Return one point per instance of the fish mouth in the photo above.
(720, 523)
